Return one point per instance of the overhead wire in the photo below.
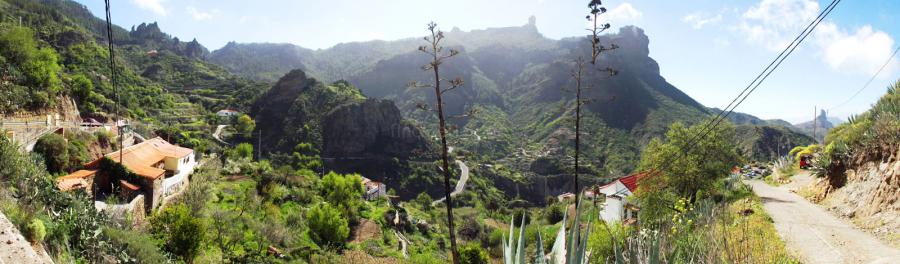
(890, 58)
(712, 124)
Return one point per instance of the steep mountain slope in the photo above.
(352, 133)
(155, 71)
(766, 142)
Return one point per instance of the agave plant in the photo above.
(565, 251)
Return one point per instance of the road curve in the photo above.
(216, 135)
(460, 185)
(815, 234)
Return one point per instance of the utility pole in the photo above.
(814, 124)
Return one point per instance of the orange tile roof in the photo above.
(76, 180)
(129, 186)
(141, 158)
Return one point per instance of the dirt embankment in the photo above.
(866, 190)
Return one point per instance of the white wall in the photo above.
(613, 210)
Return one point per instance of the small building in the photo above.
(227, 113)
(616, 206)
(161, 169)
(566, 197)
(373, 189)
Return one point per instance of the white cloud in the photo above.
(698, 20)
(861, 51)
(775, 23)
(199, 15)
(623, 13)
(155, 6)
(243, 19)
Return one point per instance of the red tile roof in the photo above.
(631, 181)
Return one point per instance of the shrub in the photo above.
(326, 225)
(243, 150)
(245, 125)
(472, 254)
(140, 246)
(344, 192)
(470, 229)
(36, 231)
(553, 213)
(180, 232)
(54, 149)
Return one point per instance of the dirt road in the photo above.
(817, 236)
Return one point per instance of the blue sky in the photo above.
(711, 49)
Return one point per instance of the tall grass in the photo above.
(733, 230)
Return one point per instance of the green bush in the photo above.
(138, 245)
(36, 231)
(243, 150)
(245, 125)
(473, 254)
(553, 213)
(180, 232)
(344, 192)
(326, 225)
(54, 149)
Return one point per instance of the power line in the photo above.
(704, 131)
(764, 74)
(112, 70)
(890, 58)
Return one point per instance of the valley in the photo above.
(492, 144)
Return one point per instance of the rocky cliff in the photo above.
(372, 128)
(371, 138)
(353, 134)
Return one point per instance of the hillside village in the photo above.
(129, 145)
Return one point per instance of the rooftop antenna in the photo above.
(112, 72)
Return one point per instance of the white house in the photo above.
(374, 189)
(162, 169)
(616, 207)
(227, 113)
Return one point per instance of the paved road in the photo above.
(218, 133)
(14, 248)
(815, 234)
(460, 185)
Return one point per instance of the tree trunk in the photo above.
(445, 164)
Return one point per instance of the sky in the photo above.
(710, 49)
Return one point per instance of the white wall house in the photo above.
(616, 207)
(373, 189)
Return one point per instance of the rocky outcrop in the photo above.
(867, 191)
(372, 128)
(353, 134)
(371, 138)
